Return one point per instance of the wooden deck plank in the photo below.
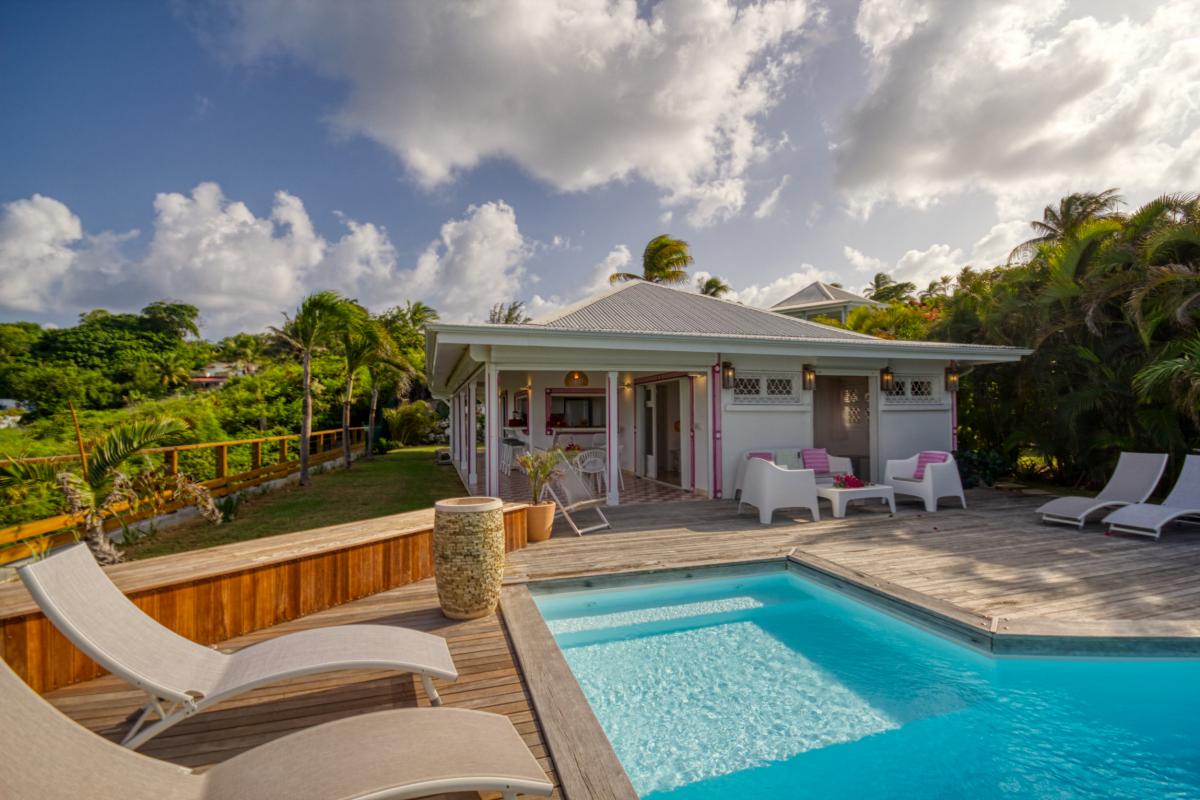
(992, 560)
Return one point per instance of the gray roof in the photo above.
(650, 308)
(818, 293)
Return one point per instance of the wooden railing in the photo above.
(268, 458)
(218, 593)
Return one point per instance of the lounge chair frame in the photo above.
(1132, 481)
(1149, 519)
(572, 495)
(182, 678)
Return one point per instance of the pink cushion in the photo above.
(924, 459)
(764, 456)
(816, 459)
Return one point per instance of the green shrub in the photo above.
(412, 423)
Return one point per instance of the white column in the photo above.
(458, 431)
(612, 387)
(453, 430)
(491, 435)
(472, 433)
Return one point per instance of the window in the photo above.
(914, 390)
(767, 389)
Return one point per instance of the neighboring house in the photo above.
(215, 375)
(822, 300)
(678, 386)
(10, 413)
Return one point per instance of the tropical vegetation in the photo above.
(665, 260)
(1109, 302)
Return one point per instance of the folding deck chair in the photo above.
(181, 678)
(386, 755)
(572, 495)
(1148, 519)
(1132, 482)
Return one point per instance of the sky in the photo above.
(239, 155)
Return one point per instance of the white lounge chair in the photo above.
(929, 480)
(571, 493)
(769, 488)
(1132, 481)
(181, 678)
(1148, 519)
(388, 754)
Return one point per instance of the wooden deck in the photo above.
(993, 559)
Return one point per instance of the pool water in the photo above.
(771, 685)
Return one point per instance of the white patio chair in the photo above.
(1148, 519)
(770, 488)
(1132, 481)
(810, 458)
(571, 493)
(182, 678)
(599, 440)
(937, 479)
(386, 755)
(593, 466)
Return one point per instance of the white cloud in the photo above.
(1023, 100)
(995, 245)
(769, 203)
(36, 238)
(578, 92)
(476, 262)
(243, 270)
(767, 295)
(862, 262)
(922, 266)
(617, 260)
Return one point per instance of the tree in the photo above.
(104, 486)
(712, 286)
(174, 319)
(172, 370)
(310, 330)
(884, 289)
(365, 345)
(1061, 222)
(665, 260)
(509, 314)
(1178, 371)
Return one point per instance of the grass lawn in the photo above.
(402, 480)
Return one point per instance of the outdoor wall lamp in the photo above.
(808, 377)
(887, 379)
(727, 374)
(952, 376)
(575, 378)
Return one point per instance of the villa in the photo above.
(675, 387)
(820, 299)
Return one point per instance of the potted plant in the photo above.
(540, 468)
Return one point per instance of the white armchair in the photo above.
(768, 488)
(939, 480)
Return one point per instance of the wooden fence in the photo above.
(264, 466)
(213, 595)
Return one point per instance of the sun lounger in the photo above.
(572, 495)
(1148, 519)
(387, 754)
(1132, 481)
(769, 487)
(182, 678)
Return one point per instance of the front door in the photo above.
(842, 419)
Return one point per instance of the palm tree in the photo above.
(712, 286)
(1179, 372)
(665, 260)
(1062, 222)
(365, 344)
(103, 487)
(509, 314)
(318, 319)
(937, 288)
(884, 289)
(172, 369)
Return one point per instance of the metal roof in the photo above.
(819, 293)
(651, 308)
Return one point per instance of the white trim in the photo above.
(612, 400)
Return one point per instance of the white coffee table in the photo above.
(840, 497)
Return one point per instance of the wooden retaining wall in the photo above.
(216, 594)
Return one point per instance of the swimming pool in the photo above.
(771, 685)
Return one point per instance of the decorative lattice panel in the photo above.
(766, 389)
(914, 390)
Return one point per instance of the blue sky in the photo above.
(239, 155)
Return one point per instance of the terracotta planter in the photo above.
(540, 521)
(468, 555)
